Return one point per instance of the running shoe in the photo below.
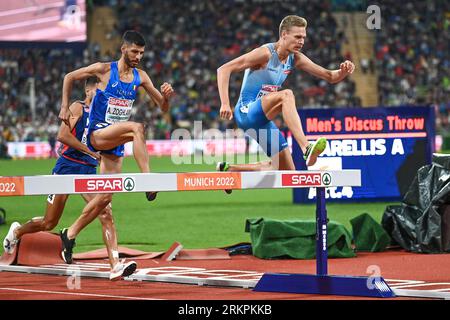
(68, 246)
(151, 195)
(313, 151)
(122, 270)
(10, 241)
(224, 166)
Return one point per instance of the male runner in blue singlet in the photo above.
(75, 158)
(109, 125)
(261, 99)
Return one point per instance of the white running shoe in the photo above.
(10, 241)
(122, 270)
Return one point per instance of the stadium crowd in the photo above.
(186, 43)
(413, 56)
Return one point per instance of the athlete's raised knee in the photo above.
(138, 128)
(288, 94)
(138, 131)
(98, 204)
(106, 216)
(105, 199)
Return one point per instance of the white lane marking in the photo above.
(79, 294)
(423, 285)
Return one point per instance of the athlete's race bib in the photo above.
(85, 133)
(266, 89)
(118, 110)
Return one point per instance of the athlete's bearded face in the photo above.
(132, 54)
(294, 38)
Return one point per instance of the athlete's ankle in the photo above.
(304, 148)
(70, 234)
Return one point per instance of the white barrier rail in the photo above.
(186, 181)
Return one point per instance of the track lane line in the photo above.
(78, 294)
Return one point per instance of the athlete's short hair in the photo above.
(131, 36)
(292, 21)
(91, 81)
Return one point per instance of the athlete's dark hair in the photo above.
(131, 36)
(91, 81)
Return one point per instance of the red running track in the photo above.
(425, 272)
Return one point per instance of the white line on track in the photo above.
(423, 285)
(79, 294)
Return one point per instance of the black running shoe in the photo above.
(151, 195)
(224, 166)
(68, 246)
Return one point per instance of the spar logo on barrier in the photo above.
(104, 184)
(306, 179)
(129, 184)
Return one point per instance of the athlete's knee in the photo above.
(138, 129)
(97, 205)
(282, 161)
(104, 199)
(106, 216)
(288, 94)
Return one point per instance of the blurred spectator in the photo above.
(413, 57)
(3, 149)
(188, 40)
(364, 63)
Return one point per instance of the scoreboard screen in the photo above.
(43, 21)
(388, 145)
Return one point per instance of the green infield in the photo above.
(202, 219)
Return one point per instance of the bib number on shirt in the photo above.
(266, 89)
(118, 110)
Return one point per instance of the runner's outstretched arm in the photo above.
(302, 62)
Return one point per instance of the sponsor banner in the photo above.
(11, 186)
(168, 147)
(228, 146)
(154, 147)
(30, 149)
(104, 184)
(209, 181)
